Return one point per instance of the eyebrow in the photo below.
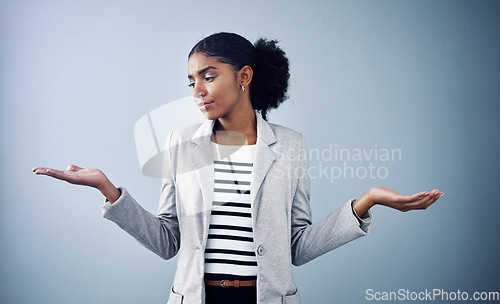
(203, 71)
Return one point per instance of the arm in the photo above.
(159, 233)
(341, 226)
(91, 177)
(312, 240)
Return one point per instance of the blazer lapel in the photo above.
(264, 158)
(202, 159)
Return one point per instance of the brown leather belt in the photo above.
(235, 283)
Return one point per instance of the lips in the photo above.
(204, 105)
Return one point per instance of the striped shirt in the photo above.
(230, 247)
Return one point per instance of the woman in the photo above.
(234, 204)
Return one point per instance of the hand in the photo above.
(83, 176)
(75, 175)
(392, 199)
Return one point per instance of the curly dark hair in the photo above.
(268, 61)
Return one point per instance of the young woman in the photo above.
(234, 204)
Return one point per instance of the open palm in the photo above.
(390, 198)
(76, 175)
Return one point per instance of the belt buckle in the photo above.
(224, 284)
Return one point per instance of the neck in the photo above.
(230, 128)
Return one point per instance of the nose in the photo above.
(199, 91)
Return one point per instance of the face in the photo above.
(216, 89)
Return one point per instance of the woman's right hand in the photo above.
(83, 176)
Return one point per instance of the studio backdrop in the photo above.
(401, 94)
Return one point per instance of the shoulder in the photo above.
(290, 144)
(283, 133)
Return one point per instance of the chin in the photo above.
(210, 115)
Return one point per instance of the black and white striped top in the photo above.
(230, 247)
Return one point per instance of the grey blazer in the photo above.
(282, 227)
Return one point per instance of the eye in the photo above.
(209, 78)
(191, 85)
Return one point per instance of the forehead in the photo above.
(197, 62)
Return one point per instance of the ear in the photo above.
(245, 76)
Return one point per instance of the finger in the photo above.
(54, 172)
(414, 198)
(420, 195)
(430, 202)
(40, 170)
(418, 204)
(434, 192)
(62, 175)
(422, 203)
(438, 194)
(425, 203)
(426, 195)
(434, 195)
(35, 169)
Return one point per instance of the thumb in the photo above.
(73, 168)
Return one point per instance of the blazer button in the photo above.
(261, 250)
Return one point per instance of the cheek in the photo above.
(226, 90)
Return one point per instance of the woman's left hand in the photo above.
(392, 199)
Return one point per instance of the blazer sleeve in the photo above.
(159, 233)
(312, 240)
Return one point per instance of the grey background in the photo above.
(420, 76)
